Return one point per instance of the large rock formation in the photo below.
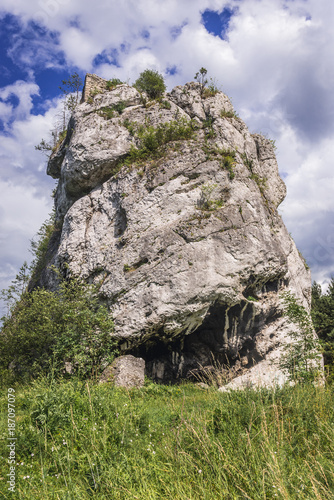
(186, 244)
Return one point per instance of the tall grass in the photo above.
(78, 440)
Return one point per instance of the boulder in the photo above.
(187, 246)
(125, 371)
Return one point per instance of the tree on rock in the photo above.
(151, 82)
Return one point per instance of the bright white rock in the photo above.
(190, 260)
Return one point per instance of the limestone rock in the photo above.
(187, 247)
(125, 371)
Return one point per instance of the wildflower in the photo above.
(32, 454)
(199, 471)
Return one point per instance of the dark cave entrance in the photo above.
(224, 339)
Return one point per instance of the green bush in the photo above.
(227, 114)
(207, 201)
(151, 82)
(40, 247)
(46, 329)
(153, 139)
(111, 84)
(201, 78)
(165, 104)
(108, 112)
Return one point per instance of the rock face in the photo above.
(186, 244)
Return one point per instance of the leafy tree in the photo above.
(47, 329)
(151, 82)
(323, 321)
(301, 357)
(56, 137)
(18, 286)
(207, 89)
(70, 89)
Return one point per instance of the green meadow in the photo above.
(82, 440)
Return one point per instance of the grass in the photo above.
(61, 138)
(78, 440)
(111, 84)
(260, 181)
(228, 114)
(109, 112)
(153, 140)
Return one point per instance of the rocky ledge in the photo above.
(170, 207)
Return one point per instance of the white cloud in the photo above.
(25, 189)
(276, 63)
(23, 91)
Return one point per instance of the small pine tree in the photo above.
(201, 78)
(71, 89)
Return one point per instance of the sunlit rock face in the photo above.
(187, 246)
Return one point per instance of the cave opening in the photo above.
(223, 340)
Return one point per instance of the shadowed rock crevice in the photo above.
(226, 340)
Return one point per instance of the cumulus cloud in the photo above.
(25, 189)
(275, 61)
(23, 92)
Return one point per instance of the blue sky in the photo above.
(272, 57)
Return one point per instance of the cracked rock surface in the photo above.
(187, 247)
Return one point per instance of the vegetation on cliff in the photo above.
(50, 330)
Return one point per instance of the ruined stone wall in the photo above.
(93, 83)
